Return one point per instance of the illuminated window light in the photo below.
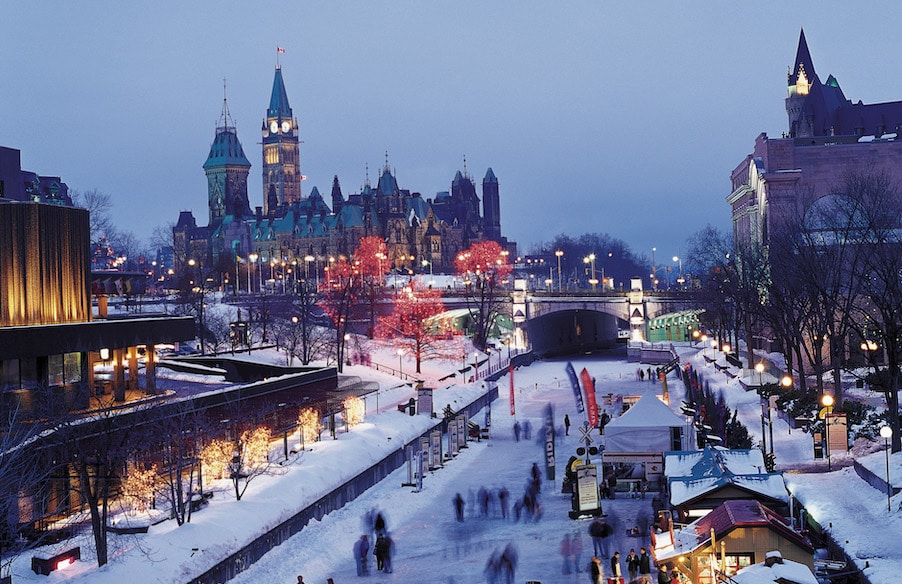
(65, 563)
(105, 354)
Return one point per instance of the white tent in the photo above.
(650, 426)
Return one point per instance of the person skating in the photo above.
(379, 552)
(595, 531)
(632, 565)
(576, 551)
(459, 507)
(606, 532)
(615, 566)
(361, 549)
(596, 573)
(566, 424)
(644, 567)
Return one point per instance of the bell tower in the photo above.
(281, 159)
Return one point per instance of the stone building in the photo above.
(289, 229)
(828, 137)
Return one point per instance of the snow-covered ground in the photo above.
(430, 546)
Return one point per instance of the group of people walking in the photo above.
(374, 522)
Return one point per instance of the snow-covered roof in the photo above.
(649, 411)
(712, 462)
(771, 486)
(787, 572)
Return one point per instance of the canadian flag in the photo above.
(280, 50)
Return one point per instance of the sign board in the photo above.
(634, 457)
(436, 441)
(452, 437)
(837, 432)
(460, 423)
(587, 487)
(424, 401)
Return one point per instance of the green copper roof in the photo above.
(226, 150)
(278, 102)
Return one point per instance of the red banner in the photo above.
(510, 372)
(589, 389)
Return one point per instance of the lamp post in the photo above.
(401, 364)
(476, 366)
(680, 280)
(559, 254)
(887, 433)
(253, 259)
(827, 402)
(591, 259)
(759, 367)
(654, 270)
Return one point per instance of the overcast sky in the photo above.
(596, 116)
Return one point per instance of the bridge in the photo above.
(558, 323)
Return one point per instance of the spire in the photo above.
(226, 123)
(278, 102)
(490, 177)
(802, 64)
(465, 167)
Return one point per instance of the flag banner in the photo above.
(280, 50)
(574, 383)
(549, 442)
(510, 371)
(591, 404)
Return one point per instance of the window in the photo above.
(732, 564)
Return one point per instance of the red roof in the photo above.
(746, 513)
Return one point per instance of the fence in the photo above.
(336, 499)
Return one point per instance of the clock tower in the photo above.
(281, 160)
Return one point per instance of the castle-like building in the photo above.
(289, 229)
(828, 137)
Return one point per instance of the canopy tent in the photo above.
(649, 426)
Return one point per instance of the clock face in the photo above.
(274, 127)
(286, 126)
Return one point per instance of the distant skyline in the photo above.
(618, 118)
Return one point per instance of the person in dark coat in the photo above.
(595, 530)
(632, 565)
(663, 576)
(644, 567)
(596, 573)
(379, 523)
(566, 424)
(379, 552)
(615, 566)
(517, 431)
(459, 507)
(503, 500)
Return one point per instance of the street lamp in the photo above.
(654, 269)
(887, 433)
(559, 254)
(591, 259)
(401, 363)
(680, 280)
(827, 402)
(253, 258)
(759, 367)
(476, 366)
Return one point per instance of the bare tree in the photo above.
(98, 205)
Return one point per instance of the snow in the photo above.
(787, 572)
(430, 546)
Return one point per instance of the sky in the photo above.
(613, 117)
(429, 544)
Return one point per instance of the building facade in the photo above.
(288, 229)
(828, 137)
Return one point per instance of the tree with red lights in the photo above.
(339, 294)
(409, 322)
(485, 270)
(372, 264)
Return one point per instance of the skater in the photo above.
(576, 551)
(509, 563)
(527, 430)
(503, 499)
(606, 532)
(615, 566)
(379, 523)
(379, 552)
(565, 554)
(595, 531)
(361, 549)
(386, 560)
(632, 565)
(459, 507)
(596, 573)
(644, 567)
(300, 580)
(517, 431)
(566, 424)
